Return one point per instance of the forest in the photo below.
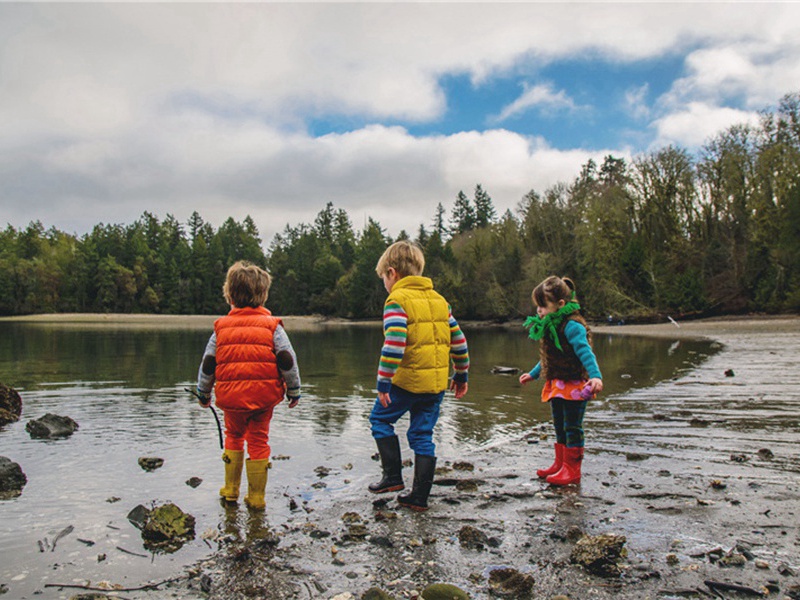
(665, 233)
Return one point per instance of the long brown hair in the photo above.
(554, 289)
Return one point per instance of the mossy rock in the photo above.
(12, 479)
(51, 427)
(10, 405)
(376, 594)
(444, 591)
(168, 522)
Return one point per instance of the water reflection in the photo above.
(125, 389)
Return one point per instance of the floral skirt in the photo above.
(569, 390)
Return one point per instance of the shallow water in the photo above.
(125, 389)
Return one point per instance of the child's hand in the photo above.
(595, 384)
(203, 398)
(525, 378)
(459, 389)
(384, 399)
(293, 402)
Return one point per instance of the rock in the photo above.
(51, 427)
(672, 559)
(12, 479)
(472, 538)
(500, 370)
(92, 596)
(10, 405)
(164, 528)
(510, 583)
(194, 482)
(600, 554)
(356, 532)
(467, 485)
(732, 559)
(766, 454)
(376, 594)
(462, 465)
(150, 463)
(138, 516)
(729, 373)
(444, 591)
(636, 456)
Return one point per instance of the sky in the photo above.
(272, 110)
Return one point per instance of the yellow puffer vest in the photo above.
(426, 361)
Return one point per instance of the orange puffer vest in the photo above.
(247, 376)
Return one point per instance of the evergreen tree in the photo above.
(463, 216)
(484, 209)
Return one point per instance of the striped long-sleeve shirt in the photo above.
(395, 329)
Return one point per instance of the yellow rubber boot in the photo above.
(256, 483)
(234, 460)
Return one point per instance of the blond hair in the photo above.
(404, 257)
(246, 284)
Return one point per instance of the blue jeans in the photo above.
(423, 410)
(568, 421)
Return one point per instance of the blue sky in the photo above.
(385, 109)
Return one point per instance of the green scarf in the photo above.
(549, 324)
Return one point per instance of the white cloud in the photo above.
(538, 96)
(636, 101)
(111, 109)
(698, 123)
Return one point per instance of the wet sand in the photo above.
(700, 474)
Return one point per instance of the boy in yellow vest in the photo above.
(421, 337)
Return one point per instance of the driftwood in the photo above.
(147, 586)
(715, 586)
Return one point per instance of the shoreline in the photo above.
(708, 328)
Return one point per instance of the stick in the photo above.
(148, 586)
(213, 412)
(732, 587)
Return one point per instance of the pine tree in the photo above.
(484, 209)
(463, 216)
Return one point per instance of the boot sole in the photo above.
(414, 507)
(394, 488)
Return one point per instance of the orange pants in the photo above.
(251, 427)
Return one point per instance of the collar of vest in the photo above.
(414, 282)
(249, 311)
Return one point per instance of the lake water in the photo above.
(124, 387)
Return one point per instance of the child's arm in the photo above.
(206, 374)
(532, 374)
(287, 363)
(459, 354)
(395, 331)
(576, 336)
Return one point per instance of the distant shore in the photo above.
(693, 329)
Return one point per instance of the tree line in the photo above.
(665, 233)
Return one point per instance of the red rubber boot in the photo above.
(556, 466)
(571, 469)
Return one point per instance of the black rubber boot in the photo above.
(424, 469)
(392, 481)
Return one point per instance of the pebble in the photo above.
(761, 564)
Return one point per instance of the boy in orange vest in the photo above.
(250, 364)
(421, 339)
